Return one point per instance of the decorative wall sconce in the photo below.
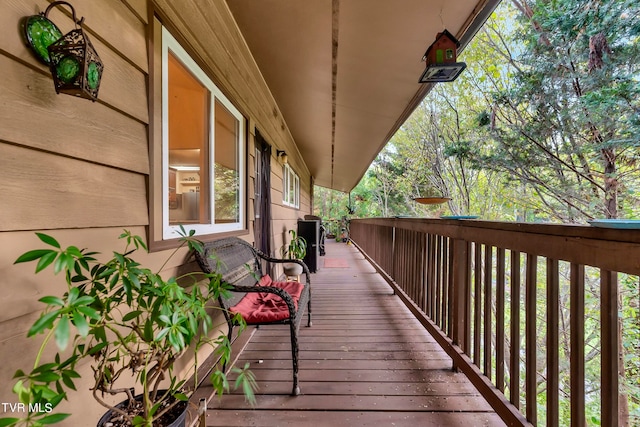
(441, 59)
(74, 63)
(282, 155)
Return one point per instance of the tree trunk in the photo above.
(610, 183)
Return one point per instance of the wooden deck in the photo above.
(365, 362)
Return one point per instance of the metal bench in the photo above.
(259, 299)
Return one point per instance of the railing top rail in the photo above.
(609, 249)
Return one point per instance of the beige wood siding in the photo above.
(81, 170)
(69, 162)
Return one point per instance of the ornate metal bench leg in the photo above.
(294, 357)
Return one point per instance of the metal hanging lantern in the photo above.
(74, 63)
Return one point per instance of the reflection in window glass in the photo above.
(188, 145)
(226, 171)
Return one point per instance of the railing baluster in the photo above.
(437, 319)
(609, 359)
(488, 293)
(514, 371)
(423, 271)
(477, 302)
(500, 338)
(530, 339)
(458, 295)
(553, 351)
(431, 266)
(450, 292)
(418, 273)
(445, 286)
(417, 265)
(578, 418)
(467, 301)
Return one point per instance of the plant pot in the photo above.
(292, 269)
(178, 420)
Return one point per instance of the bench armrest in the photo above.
(305, 269)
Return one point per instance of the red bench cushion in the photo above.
(262, 307)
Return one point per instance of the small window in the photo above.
(202, 146)
(290, 187)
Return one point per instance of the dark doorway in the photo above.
(262, 229)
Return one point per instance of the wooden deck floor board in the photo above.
(365, 362)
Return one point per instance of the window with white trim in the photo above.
(203, 137)
(290, 187)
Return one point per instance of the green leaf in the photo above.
(33, 255)
(74, 251)
(45, 261)
(100, 334)
(148, 331)
(89, 312)
(50, 300)
(162, 334)
(62, 332)
(24, 394)
(81, 324)
(96, 348)
(181, 396)
(60, 264)
(44, 322)
(46, 377)
(84, 300)
(6, 422)
(74, 293)
(68, 382)
(219, 382)
(48, 240)
(53, 418)
(131, 315)
(138, 421)
(45, 367)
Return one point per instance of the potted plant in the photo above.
(296, 250)
(132, 325)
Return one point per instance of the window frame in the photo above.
(288, 174)
(170, 232)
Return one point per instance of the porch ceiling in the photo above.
(345, 72)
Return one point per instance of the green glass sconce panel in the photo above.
(40, 33)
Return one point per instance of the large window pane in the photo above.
(227, 167)
(188, 146)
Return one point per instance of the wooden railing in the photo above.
(497, 296)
